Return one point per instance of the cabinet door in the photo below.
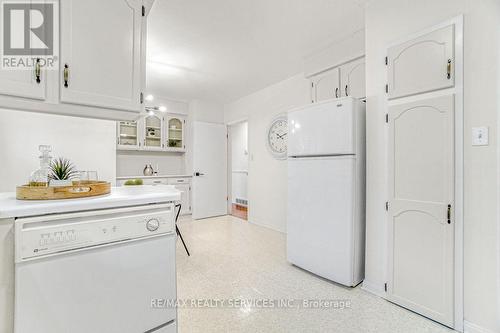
(352, 78)
(101, 48)
(152, 133)
(23, 83)
(325, 86)
(128, 135)
(421, 229)
(422, 64)
(185, 197)
(175, 129)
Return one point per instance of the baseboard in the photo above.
(473, 328)
(373, 288)
(265, 225)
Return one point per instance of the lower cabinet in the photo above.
(183, 184)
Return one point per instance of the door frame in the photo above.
(230, 164)
(458, 22)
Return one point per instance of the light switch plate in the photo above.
(480, 136)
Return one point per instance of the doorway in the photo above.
(238, 169)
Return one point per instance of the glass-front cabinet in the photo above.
(153, 132)
(175, 128)
(128, 135)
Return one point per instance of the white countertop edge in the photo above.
(12, 208)
(153, 177)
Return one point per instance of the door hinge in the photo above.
(387, 118)
(143, 11)
(385, 287)
(386, 61)
(387, 205)
(141, 98)
(386, 88)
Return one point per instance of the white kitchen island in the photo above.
(117, 250)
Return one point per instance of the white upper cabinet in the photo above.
(352, 79)
(325, 86)
(101, 53)
(175, 130)
(101, 67)
(24, 83)
(153, 132)
(423, 64)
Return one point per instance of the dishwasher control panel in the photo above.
(40, 236)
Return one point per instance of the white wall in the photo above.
(337, 53)
(88, 143)
(389, 20)
(267, 177)
(132, 163)
(238, 146)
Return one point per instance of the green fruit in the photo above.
(138, 182)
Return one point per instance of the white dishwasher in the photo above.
(97, 271)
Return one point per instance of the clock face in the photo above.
(277, 137)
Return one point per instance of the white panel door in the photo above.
(422, 64)
(320, 216)
(325, 86)
(352, 79)
(101, 48)
(421, 202)
(209, 190)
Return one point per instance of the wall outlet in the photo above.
(480, 136)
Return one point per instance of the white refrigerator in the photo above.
(326, 189)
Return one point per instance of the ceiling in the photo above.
(221, 50)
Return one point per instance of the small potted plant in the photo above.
(62, 171)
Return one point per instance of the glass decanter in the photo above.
(40, 177)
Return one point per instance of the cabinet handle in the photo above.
(346, 90)
(66, 75)
(337, 92)
(38, 71)
(449, 214)
(448, 69)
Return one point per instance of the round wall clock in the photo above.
(277, 137)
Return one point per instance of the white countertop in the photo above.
(119, 197)
(153, 177)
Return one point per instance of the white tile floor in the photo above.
(232, 259)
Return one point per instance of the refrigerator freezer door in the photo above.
(323, 129)
(320, 216)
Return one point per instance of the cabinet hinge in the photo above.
(386, 88)
(385, 287)
(387, 205)
(387, 118)
(143, 11)
(141, 98)
(386, 61)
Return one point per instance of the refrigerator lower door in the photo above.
(320, 216)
